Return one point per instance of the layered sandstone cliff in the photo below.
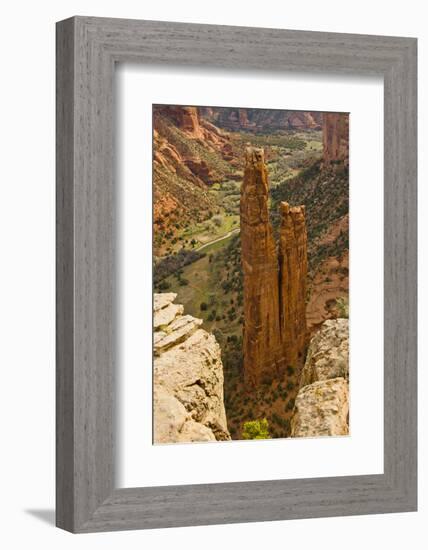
(322, 403)
(184, 162)
(335, 137)
(185, 118)
(274, 286)
(187, 378)
(188, 121)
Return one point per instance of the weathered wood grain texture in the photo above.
(87, 49)
(64, 277)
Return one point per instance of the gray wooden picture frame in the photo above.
(87, 50)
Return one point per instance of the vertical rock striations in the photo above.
(335, 137)
(293, 268)
(262, 342)
(274, 287)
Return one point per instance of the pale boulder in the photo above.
(321, 408)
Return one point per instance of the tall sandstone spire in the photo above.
(262, 339)
(293, 269)
(274, 287)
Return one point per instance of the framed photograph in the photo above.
(236, 274)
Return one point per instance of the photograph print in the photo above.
(250, 274)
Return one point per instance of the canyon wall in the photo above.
(335, 137)
(178, 159)
(322, 403)
(262, 120)
(185, 118)
(190, 154)
(187, 378)
(274, 285)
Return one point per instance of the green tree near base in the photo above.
(342, 305)
(256, 429)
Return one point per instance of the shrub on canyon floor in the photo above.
(342, 305)
(256, 429)
(290, 404)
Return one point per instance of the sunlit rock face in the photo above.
(187, 377)
(263, 120)
(181, 174)
(262, 339)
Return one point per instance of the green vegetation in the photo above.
(215, 293)
(173, 264)
(342, 305)
(212, 228)
(282, 423)
(290, 404)
(256, 429)
(284, 140)
(325, 193)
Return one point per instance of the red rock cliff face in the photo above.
(264, 120)
(293, 272)
(335, 137)
(194, 127)
(185, 118)
(180, 176)
(274, 288)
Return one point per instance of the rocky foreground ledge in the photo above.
(322, 404)
(187, 377)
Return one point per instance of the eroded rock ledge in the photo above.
(187, 377)
(322, 404)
